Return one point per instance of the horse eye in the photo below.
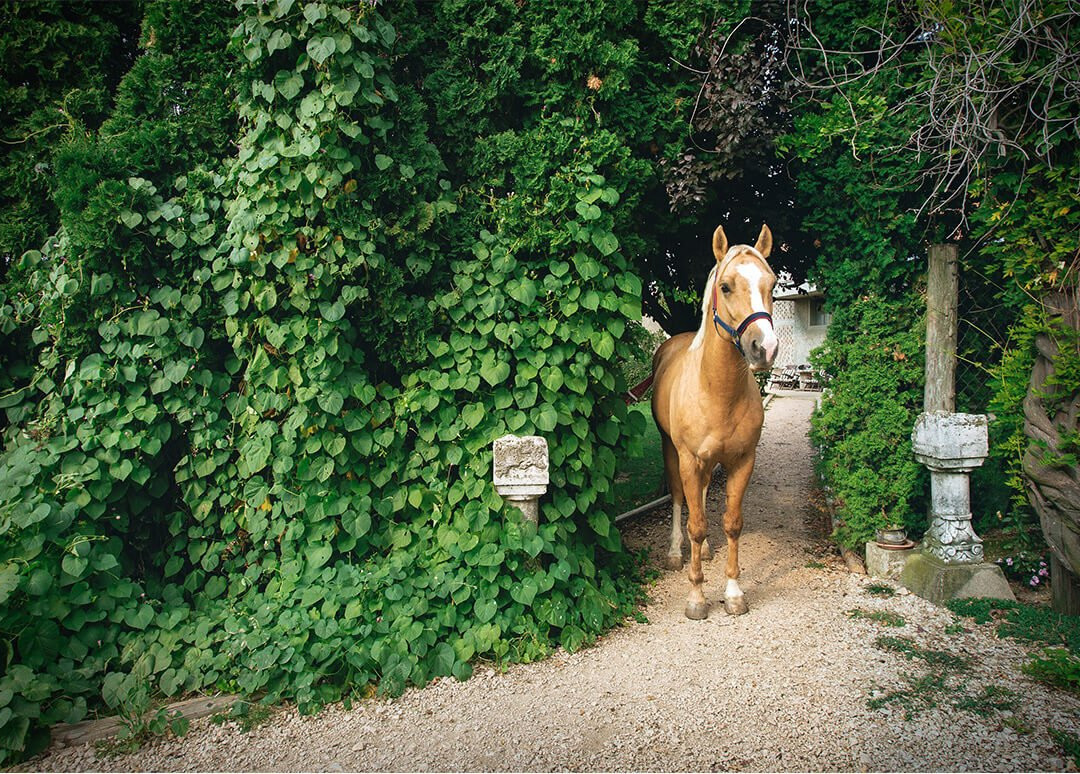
(725, 288)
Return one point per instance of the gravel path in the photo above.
(782, 688)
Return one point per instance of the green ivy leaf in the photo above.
(587, 211)
(484, 610)
(288, 83)
(494, 371)
(525, 592)
(523, 292)
(546, 418)
(332, 312)
(605, 242)
(321, 49)
(9, 580)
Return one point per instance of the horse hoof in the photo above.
(736, 605)
(673, 561)
(697, 611)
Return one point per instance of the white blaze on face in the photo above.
(753, 275)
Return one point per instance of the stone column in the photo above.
(951, 563)
(520, 472)
(951, 446)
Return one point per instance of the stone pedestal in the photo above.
(929, 577)
(951, 562)
(521, 472)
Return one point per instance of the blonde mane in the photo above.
(706, 300)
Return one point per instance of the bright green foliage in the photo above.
(864, 222)
(867, 232)
(87, 486)
(1058, 664)
(1068, 742)
(1023, 622)
(863, 429)
(298, 288)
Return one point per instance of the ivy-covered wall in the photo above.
(294, 285)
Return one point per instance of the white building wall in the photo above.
(784, 325)
(791, 320)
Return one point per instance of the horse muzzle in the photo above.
(760, 346)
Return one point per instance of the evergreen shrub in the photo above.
(873, 363)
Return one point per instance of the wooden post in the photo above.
(1065, 587)
(941, 290)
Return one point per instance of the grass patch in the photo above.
(911, 650)
(922, 692)
(993, 699)
(1056, 667)
(883, 590)
(1023, 622)
(935, 687)
(1017, 725)
(138, 726)
(883, 617)
(1067, 742)
(640, 470)
(1059, 664)
(814, 564)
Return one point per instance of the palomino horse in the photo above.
(708, 407)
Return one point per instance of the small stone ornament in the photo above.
(521, 471)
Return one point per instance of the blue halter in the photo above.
(736, 333)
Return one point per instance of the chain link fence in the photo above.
(985, 313)
(985, 316)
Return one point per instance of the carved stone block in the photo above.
(521, 466)
(947, 441)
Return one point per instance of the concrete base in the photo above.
(932, 579)
(885, 562)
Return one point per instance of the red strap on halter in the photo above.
(637, 392)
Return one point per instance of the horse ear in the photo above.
(719, 243)
(764, 241)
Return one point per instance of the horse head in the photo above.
(741, 297)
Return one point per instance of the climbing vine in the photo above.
(252, 451)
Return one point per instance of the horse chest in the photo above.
(718, 447)
(720, 437)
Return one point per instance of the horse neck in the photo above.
(723, 370)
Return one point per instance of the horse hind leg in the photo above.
(693, 477)
(673, 560)
(706, 549)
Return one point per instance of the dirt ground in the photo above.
(786, 687)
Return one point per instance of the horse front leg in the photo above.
(693, 473)
(673, 560)
(738, 477)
